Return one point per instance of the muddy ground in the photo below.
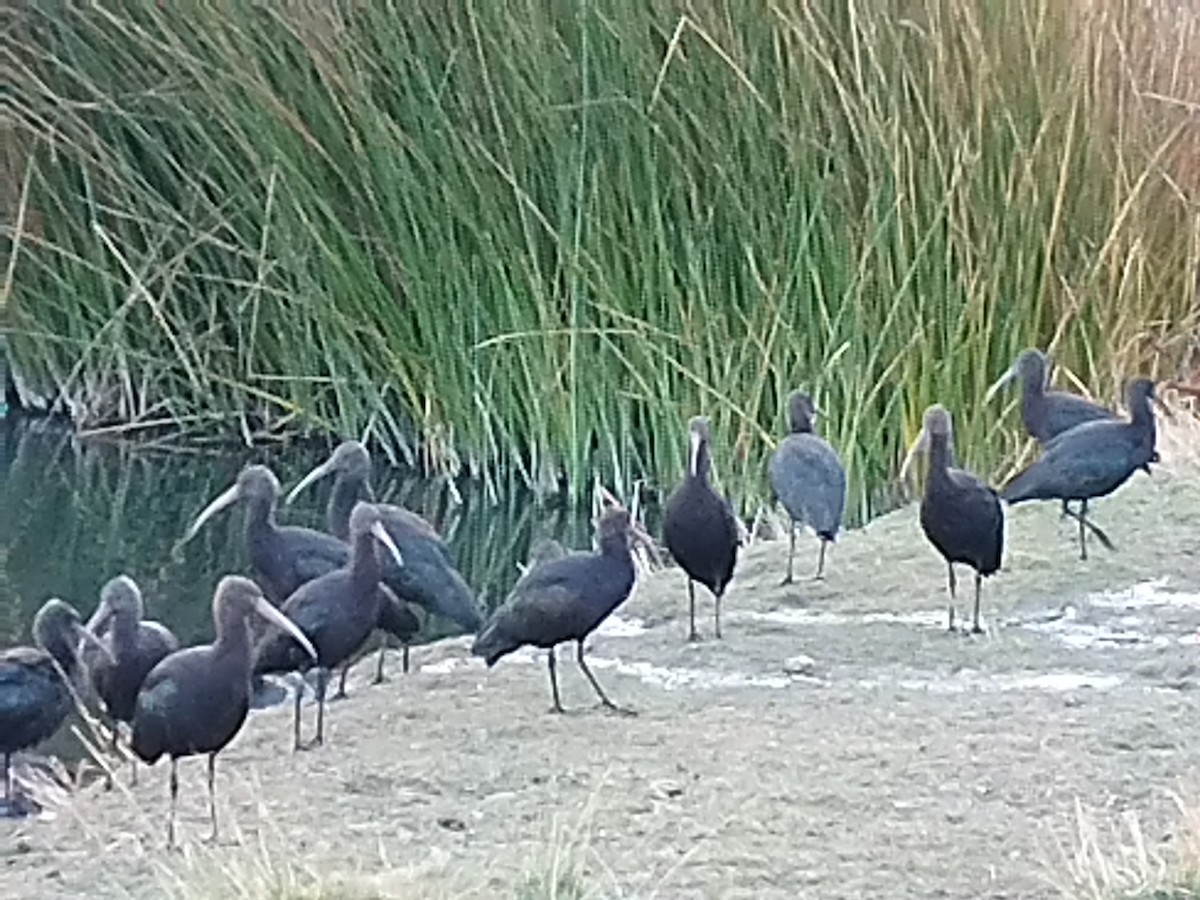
(899, 761)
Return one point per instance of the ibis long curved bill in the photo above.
(999, 383)
(82, 635)
(263, 607)
(100, 618)
(314, 475)
(695, 439)
(225, 499)
(919, 445)
(381, 535)
(640, 535)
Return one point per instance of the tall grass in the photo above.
(539, 235)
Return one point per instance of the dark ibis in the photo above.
(34, 697)
(337, 611)
(135, 646)
(196, 699)
(285, 557)
(807, 477)
(1092, 460)
(960, 515)
(566, 599)
(428, 577)
(700, 528)
(1045, 413)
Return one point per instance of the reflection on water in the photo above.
(75, 513)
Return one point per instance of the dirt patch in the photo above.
(896, 761)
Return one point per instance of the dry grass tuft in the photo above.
(273, 877)
(270, 871)
(1114, 859)
(1179, 432)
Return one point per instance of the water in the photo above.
(1154, 612)
(74, 513)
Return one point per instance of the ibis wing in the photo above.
(20, 669)
(314, 553)
(549, 615)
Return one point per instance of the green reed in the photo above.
(539, 236)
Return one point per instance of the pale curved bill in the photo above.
(264, 608)
(381, 534)
(918, 446)
(641, 536)
(84, 635)
(99, 619)
(1000, 382)
(227, 498)
(316, 474)
(693, 452)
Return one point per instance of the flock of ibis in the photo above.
(316, 597)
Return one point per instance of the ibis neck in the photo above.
(1033, 391)
(347, 491)
(60, 647)
(233, 640)
(1142, 422)
(941, 456)
(801, 424)
(364, 560)
(123, 633)
(260, 513)
(616, 546)
(1141, 415)
(1034, 383)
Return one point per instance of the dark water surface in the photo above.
(74, 513)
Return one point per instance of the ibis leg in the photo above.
(717, 615)
(1083, 530)
(174, 788)
(791, 551)
(383, 645)
(595, 684)
(7, 778)
(821, 559)
(114, 750)
(1096, 530)
(692, 635)
(296, 717)
(975, 627)
(383, 651)
(322, 684)
(952, 582)
(552, 662)
(404, 660)
(212, 795)
(340, 694)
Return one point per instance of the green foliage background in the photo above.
(531, 238)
